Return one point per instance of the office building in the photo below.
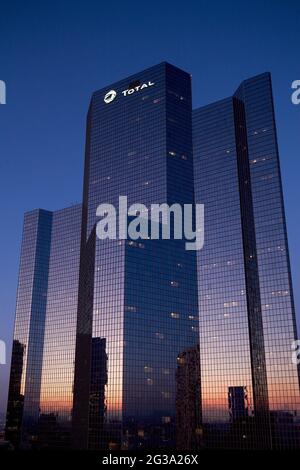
(247, 316)
(143, 293)
(42, 371)
(139, 343)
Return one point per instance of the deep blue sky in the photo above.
(53, 54)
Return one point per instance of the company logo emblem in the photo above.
(110, 96)
(129, 91)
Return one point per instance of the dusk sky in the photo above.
(55, 54)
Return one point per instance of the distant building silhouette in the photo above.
(188, 396)
(238, 403)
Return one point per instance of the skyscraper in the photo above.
(115, 339)
(57, 379)
(247, 317)
(143, 292)
(27, 352)
(42, 371)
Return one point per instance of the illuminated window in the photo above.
(159, 335)
(174, 315)
(230, 304)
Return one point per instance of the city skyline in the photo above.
(214, 83)
(138, 299)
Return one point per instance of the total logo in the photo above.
(111, 95)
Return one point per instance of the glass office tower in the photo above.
(115, 338)
(27, 351)
(142, 297)
(57, 379)
(247, 317)
(41, 383)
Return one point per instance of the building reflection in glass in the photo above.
(26, 366)
(247, 317)
(145, 291)
(42, 372)
(16, 399)
(101, 324)
(57, 381)
(189, 430)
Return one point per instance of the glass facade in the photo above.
(247, 318)
(42, 372)
(277, 304)
(224, 330)
(139, 343)
(57, 381)
(27, 352)
(144, 291)
(189, 430)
